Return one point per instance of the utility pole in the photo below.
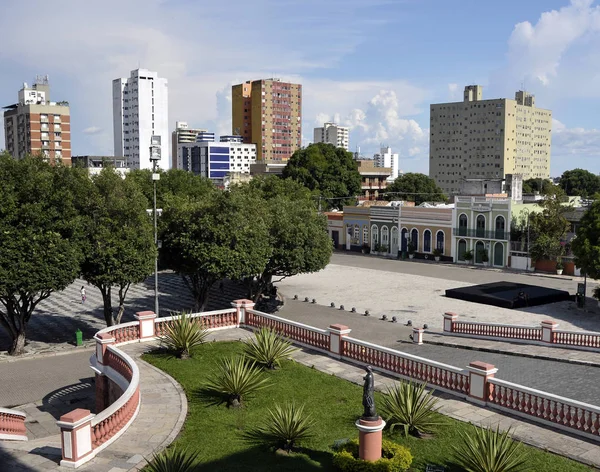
(155, 157)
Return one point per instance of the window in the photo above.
(385, 236)
(365, 238)
(356, 234)
(427, 241)
(499, 228)
(480, 231)
(439, 241)
(414, 238)
(462, 225)
(374, 236)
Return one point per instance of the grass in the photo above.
(217, 432)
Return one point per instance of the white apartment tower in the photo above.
(140, 110)
(332, 134)
(385, 158)
(488, 139)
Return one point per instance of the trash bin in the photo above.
(79, 337)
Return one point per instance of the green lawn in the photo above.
(335, 404)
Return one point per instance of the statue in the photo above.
(369, 414)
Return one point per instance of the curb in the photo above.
(65, 352)
(510, 353)
(180, 421)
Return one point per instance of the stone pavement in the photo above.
(578, 382)
(55, 320)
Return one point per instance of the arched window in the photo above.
(404, 239)
(427, 241)
(414, 239)
(462, 248)
(365, 234)
(499, 254)
(479, 250)
(463, 223)
(356, 234)
(374, 236)
(385, 236)
(394, 247)
(480, 230)
(439, 241)
(500, 228)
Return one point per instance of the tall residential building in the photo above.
(182, 134)
(140, 110)
(333, 134)
(479, 138)
(385, 158)
(35, 125)
(268, 113)
(218, 160)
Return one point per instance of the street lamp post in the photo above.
(155, 158)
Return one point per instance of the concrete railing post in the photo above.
(336, 334)
(241, 306)
(146, 320)
(449, 319)
(418, 335)
(548, 328)
(76, 437)
(479, 375)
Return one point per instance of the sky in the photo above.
(372, 65)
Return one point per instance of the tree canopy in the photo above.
(549, 227)
(586, 245)
(223, 235)
(42, 237)
(120, 242)
(580, 182)
(298, 233)
(415, 187)
(537, 185)
(329, 171)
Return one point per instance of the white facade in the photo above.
(140, 110)
(386, 159)
(332, 134)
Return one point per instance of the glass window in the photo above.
(480, 231)
(427, 241)
(462, 225)
(414, 239)
(439, 243)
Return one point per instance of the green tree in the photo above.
(330, 172)
(224, 235)
(120, 246)
(41, 244)
(537, 185)
(549, 227)
(586, 245)
(298, 233)
(580, 182)
(415, 187)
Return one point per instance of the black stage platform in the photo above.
(509, 294)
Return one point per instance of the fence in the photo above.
(118, 395)
(544, 334)
(12, 425)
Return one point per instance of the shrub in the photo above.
(267, 348)
(437, 252)
(173, 460)
(182, 334)
(468, 255)
(409, 406)
(236, 378)
(284, 427)
(394, 458)
(487, 450)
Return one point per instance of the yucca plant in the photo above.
(236, 378)
(182, 334)
(267, 348)
(488, 450)
(284, 428)
(173, 460)
(409, 406)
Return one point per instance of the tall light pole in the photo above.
(155, 158)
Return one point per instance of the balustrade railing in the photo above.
(208, 320)
(12, 425)
(498, 330)
(585, 339)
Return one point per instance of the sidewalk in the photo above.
(558, 354)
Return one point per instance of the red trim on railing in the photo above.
(12, 424)
(572, 338)
(110, 426)
(498, 331)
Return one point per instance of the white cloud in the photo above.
(453, 92)
(92, 130)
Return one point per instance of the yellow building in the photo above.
(479, 138)
(268, 113)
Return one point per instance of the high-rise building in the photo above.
(140, 110)
(218, 160)
(35, 125)
(182, 134)
(385, 158)
(479, 138)
(333, 134)
(268, 113)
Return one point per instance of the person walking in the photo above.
(82, 294)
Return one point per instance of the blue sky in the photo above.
(372, 65)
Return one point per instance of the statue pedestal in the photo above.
(369, 439)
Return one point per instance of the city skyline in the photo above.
(369, 66)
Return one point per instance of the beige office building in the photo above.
(479, 138)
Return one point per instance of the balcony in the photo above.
(44, 127)
(43, 119)
(481, 233)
